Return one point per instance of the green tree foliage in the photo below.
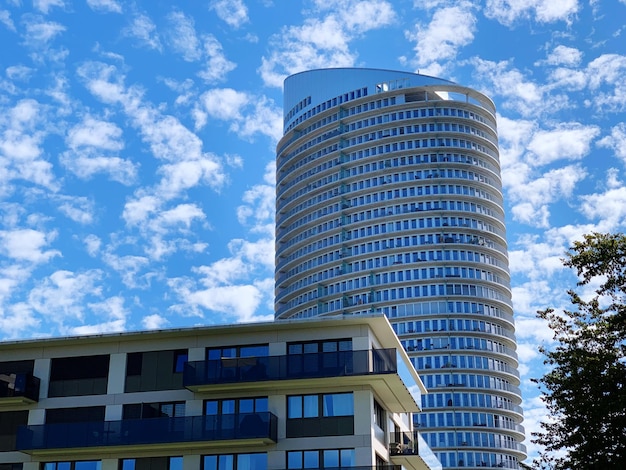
(585, 389)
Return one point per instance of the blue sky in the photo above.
(137, 145)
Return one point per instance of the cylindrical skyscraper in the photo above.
(389, 199)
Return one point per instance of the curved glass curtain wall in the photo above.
(389, 199)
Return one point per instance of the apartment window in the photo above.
(254, 350)
(9, 422)
(153, 410)
(75, 415)
(11, 466)
(151, 463)
(256, 461)
(329, 414)
(233, 406)
(379, 416)
(155, 370)
(327, 458)
(84, 375)
(79, 465)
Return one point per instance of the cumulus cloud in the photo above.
(616, 141)
(248, 114)
(105, 6)
(508, 12)
(27, 245)
(154, 322)
(323, 41)
(95, 133)
(564, 55)
(217, 65)
(44, 6)
(182, 37)
(450, 28)
(39, 32)
(232, 12)
(568, 140)
(5, 19)
(144, 31)
(61, 295)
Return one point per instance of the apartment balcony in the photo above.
(18, 389)
(246, 429)
(381, 368)
(409, 450)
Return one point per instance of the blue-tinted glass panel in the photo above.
(259, 350)
(225, 462)
(338, 404)
(294, 407)
(347, 457)
(251, 462)
(209, 462)
(311, 409)
(211, 407)
(311, 459)
(176, 463)
(91, 465)
(294, 460)
(331, 458)
(128, 464)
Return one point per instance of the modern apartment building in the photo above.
(389, 199)
(326, 393)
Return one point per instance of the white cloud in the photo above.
(249, 114)
(217, 65)
(564, 55)
(105, 6)
(95, 133)
(608, 70)
(181, 176)
(77, 208)
(62, 294)
(5, 19)
(85, 166)
(232, 12)
(608, 207)
(508, 12)
(568, 140)
(17, 320)
(27, 245)
(45, 5)
(92, 244)
(154, 322)
(530, 200)
(450, 28)
(323, 42)
(111, 309)
(144, 30)
(616, 141)
(40, 32)
(517, 93)
(182, 36)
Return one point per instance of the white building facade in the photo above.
(319, 394)
(389, 199)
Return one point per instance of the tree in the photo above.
(585, 388)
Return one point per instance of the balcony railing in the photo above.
(407, 444)
(295, 366)
(257, 426)
(19, 385)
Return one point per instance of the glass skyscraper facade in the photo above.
(389, 199)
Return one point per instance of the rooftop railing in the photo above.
(294, 366)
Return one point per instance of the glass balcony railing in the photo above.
(19, 385)
(148, 431)
(295, 366)
(408, 444)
